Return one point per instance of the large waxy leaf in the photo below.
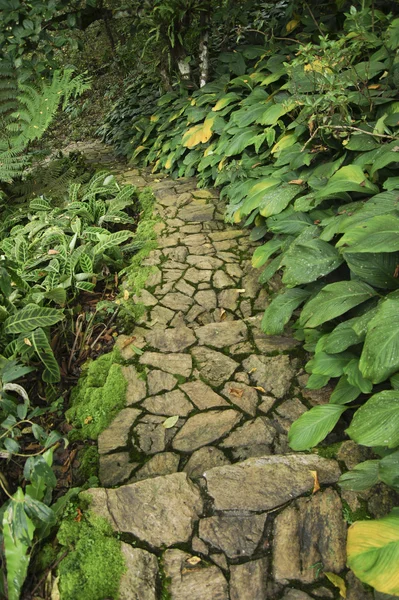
(256, 194)
(344, 392)
(108, 241)
(373, 552)
(362, 477)
(280, 310)
(313, 426)
(341, 338)
(274, 112)
(347, 179)
(248, 114)
(289, 221)
(388, 470)
(376, 423)
(380, 356)
(376, 269)
(226, 100)
(264, 252)
(278, 199)
(44, 351)
(30, 317)
(332, 365)
(334, 300)
(307, 260)
(199, 134)
(356, 378)
(241, 139)
(379, 234)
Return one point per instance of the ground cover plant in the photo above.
(303, 140)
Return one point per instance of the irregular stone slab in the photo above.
(203, 459)
(206, 298)
(197, 276)
(205, 428)
(198, 546)
(205, 194)
(215, 367)
(242, 395)
(221, 280)
(154, 258)
(288, 412)
(234, 271)
(125, 343)
(220, 335)
(228, 299)
(172, 275)
(145, 298)
(169, 404)
(178, 254)
(160, 511)
(167, 242)
(136, 385)
(220, 560)
(234, 535)
(177, 301)
(197, 213)
(310, 531)
(204, 262)
(249, 581)
(274, 343)
(191, 582)
(164, 463)
(139, 582)
(202, 395)
(171, 340)
(116, 435)
(274, 374)
(228, 234)
(260, 484)
(176, 364)
(151, 436)
(173, 265)
(194, 313)
(191, 229)
(257, 432)
(154, 278)
(158, 381)
(266, 404)
(251, 284)
(296, 595)
(162, 315)
(197, 239)
(185, 288)
(115, 468)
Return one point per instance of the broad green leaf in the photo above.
(44, 351)
(386, 158)
(241, 139)
(199, 134)
(264, 252)
(280, 310)
(379, 234)
(362, 477)
(313, 426)
(373, 552)
(347, 179)
(388, 470)
(289, 222)
(341, 338)
(274, 112)
(256, 194)
(376, 423)
(332, 365)
(307, 260)
(270, 270)
(356, 378)
(334, 300)
(317, 381)
(226, 100)
(248, 114)
(376, 269)
(344, 392)
(16, 548)
(361, 142)
(380, 355)
(111, 240)
(58, 295)
(277, 199)
(30, 317)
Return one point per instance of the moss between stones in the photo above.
(94, 565)
(89, 463)
(98, 397)
(360, 514)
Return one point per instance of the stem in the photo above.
(314, 19)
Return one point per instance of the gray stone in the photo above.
(161, 511)
(246, 308)
(158, 381)
(206, 298)
(203, 459)
(178, 254)
(310, 531)
(241, 377)
(352, 454)
(215, 367)
(234, 271)
(220, 560)
(221, 280)
(251, 284)
(176, 364)
(197, 213)
(291, 410)
(226, 245)
(125, 343)
(191, 582)
(236, 536)
(178, 320)
(227, 257)
(164, 289)
(169, 404)
(274, 374)
(256, 432)
(227, 234)
(266, 404)
(220, 335)
(115, 468)
(228, 299)
(325, 593)
(151, 435)
(162, 315)
(191, 229)
(144, 297)
(136, 385)
(194, 313)
(243, 348)
(202, 395)
(197, 276)
(164, 463)
(196, 239)
(154, 278)
(116, 435)
(174, 266)
(171, 275)
(205, 428)
(174, 222)
(249, 581)
(139, 582)
(357, 591)
(167, 242)
(154, 258)
(268, 344)
(205, 194)
(171, 340)
(296, 595)
(260, 484)
(185, 288)
(198, 546)
(204, 262)
(241, 395)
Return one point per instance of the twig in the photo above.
(314, 18)
(79, 325)
(105, 328)
(310, 139)
(48, 570)
(351, 128)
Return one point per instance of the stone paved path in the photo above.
(196, 471)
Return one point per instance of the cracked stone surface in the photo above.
(199, 456)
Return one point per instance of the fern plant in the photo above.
(26, 117)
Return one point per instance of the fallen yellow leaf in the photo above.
(316, 485)
(338, 582)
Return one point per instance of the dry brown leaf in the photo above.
(338, 582)
(260, 389)
(297, 181)
(52, 251)
(194, 560)
(252, 371)
(316, 485)
(374, 86)
(126, 295)
(27, 342)
(129, 341)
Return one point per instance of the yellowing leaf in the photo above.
(285, 142)
(373, 552)
(170, 160)
(170, 422)
(260, 389)
(199, 134)
(291, 25)
(316, 485)
(126, 295)
(27, 342)
(154, 118)
(296, 181)
(193, 560)
(338, 582)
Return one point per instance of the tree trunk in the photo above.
(204, 59)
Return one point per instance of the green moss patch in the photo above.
(94, 565)
(97, 399)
